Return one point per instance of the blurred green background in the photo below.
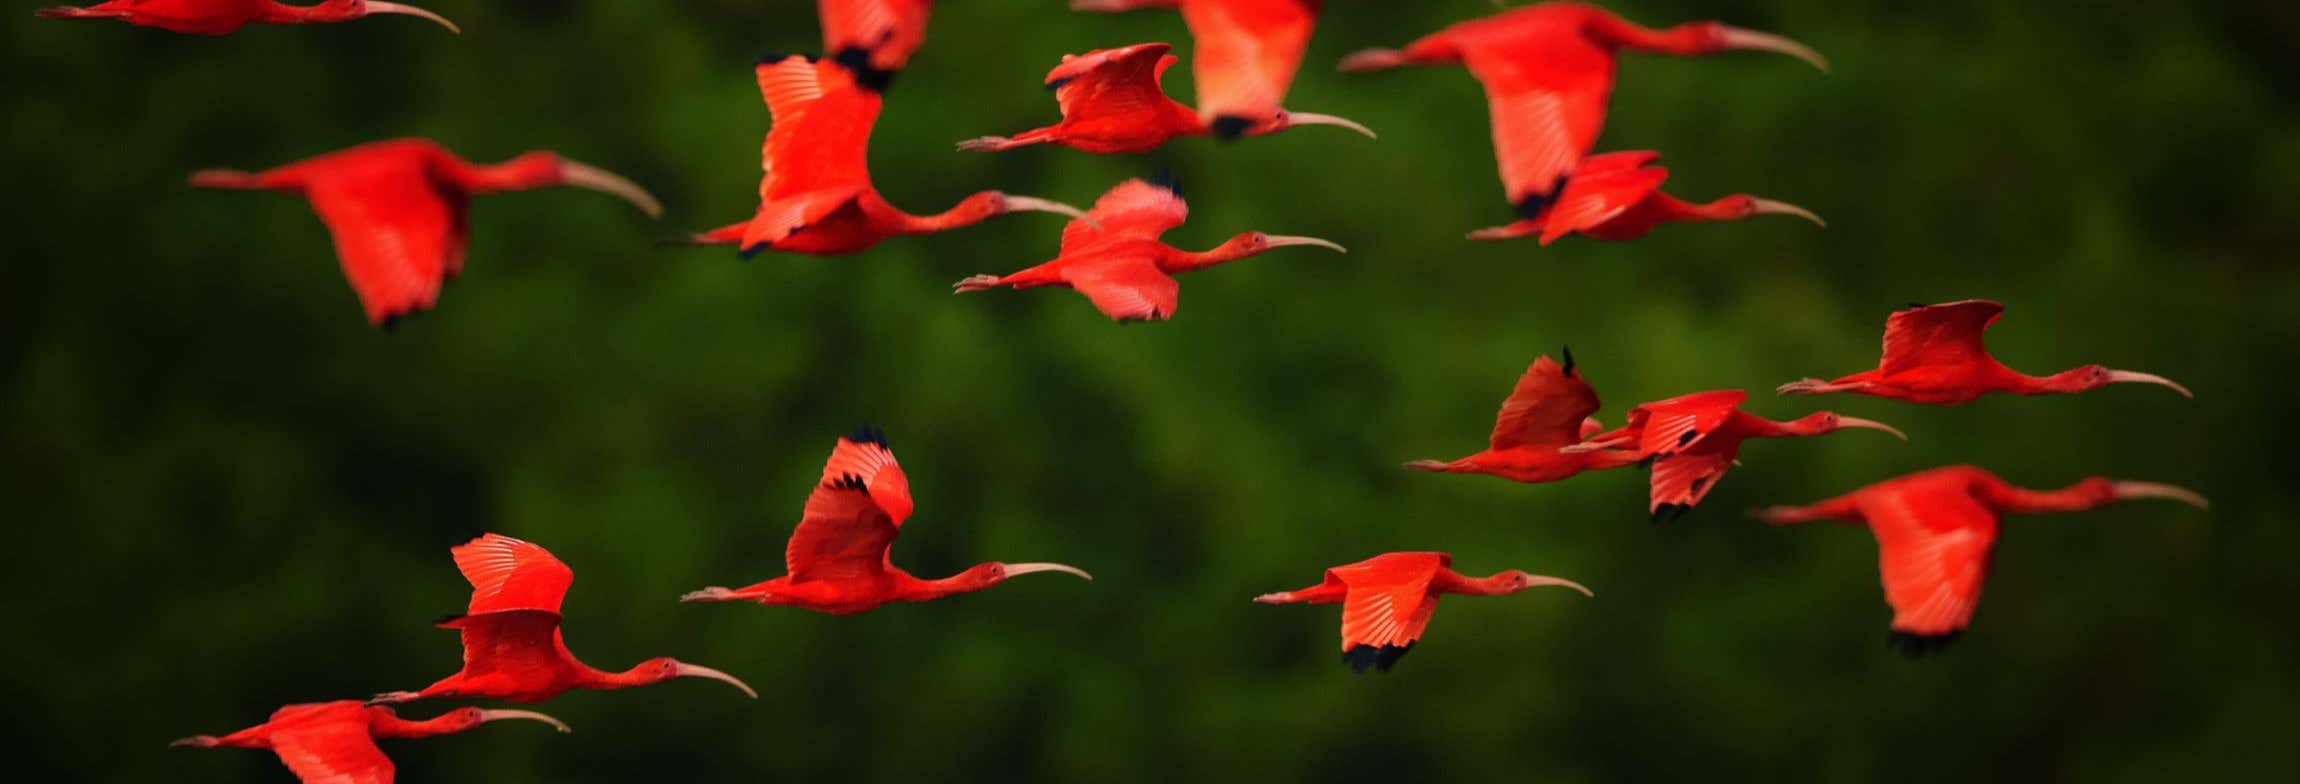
(227, 492)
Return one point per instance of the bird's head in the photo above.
(988, 574)
(1742, 206)
(665, 668)
(1712, 37)
(462, 719)
(1241, 126)
(1830, 421)
(2091, 377)
(1254, 242)
(346, 10)
(1516, 580)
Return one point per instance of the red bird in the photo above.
(1550, 409)
(1616, 196)
(1934, 533)
(817, 195)
(1111, 102)
(512, 647)
(399, 210)
(334, 742)
(1934, 354)
(217, 17)
(1387, 600)
(889, 29)
(1113, 256)
(1247, 52)
(1548, 73)
(838, 555)
(1691, 440)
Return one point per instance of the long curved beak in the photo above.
(1737, 38)
(1538, 580)
(1771, 207)
(1280, 241)
(1035, 204)
(685, 670)
(1312, 118)
(492, 715)
(2126, 491)
(583, 175)
(2134, 377)
(409, 10)
(1029, 568)
(1871, 424)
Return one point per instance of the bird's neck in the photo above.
(1189, 261)
(329, 11)
(2074, 498)
(1684, 40)
(588, 678)
(388, 726)
(1675, 209)
(2074, 380)
(916, 590)
(969, 211)
(1450, 581)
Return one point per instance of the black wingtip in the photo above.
(1166, 180)
(848, 482)
(448, 620)
(1056, 84)
(1568, 352)
(869, 434)
(770, 58)
(1229, 126)
(857, 60)
(1916, 645)
(1670, 513)
(1531, 206)
(1380, 658)
(1916, 306)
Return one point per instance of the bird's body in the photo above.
(1246, 52)
(334, 742)
(1113, 255)
(220, 17)
(838, 557)
(399, 210)
(1935, 354)
(1387, 600)
(1548, 410)
(1935, 531)
(1617, 196)
(512, 645)
(1112, 102)
(891, 30)
(1692, 440)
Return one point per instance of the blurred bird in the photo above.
(1934, 354)
(817, 195)
(1691, 440)
(837, 556)
(1246, 54)
(399, 210)
(889, 29)
(1935, 530)
(1387, 600)
(1121, 265)
(1548, 73)
(334, 742)
(1616, 196)
(512, 646)
(1550, 409)
(1111, 102)
(217, 17)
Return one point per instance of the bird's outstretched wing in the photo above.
(1681, 480)
(1386, 609)
(1247, 53)
(1945, 334)
(1671, 426)
(397, 234)
(1135, 209)
(1111, 83)
(1600, 190)
(1126, 287)
(822, 122)
(509, 574)
(1546, 91)
(1933, 554)
(853, 514)
(891, 30)
(1548, 407)
(334, 752)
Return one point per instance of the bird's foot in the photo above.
(1273, 598)
(712, 594)
(986, 144)
(195, 742)
(1371, 60)
(975, 283)
(391, 697)
(1104, 6)
(1511, 231)
(1428, 465)
(1803, 386)
(1774, 515)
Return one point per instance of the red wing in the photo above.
(1683, 479)
(1545, 120)
(1133, 209)
(1129, 288)
(1387, 614)
(1669, 426)
(1548, 407)
(336, 752)
(1946, 334)
(1108, 83)
(398, 237)
(864, 456)
(1615, 161)
(520, 642)
(852, 516)
(1592, 198)
(509, 574)
(1932, 554)
(780, 217)
(820, 136)
(1247, 52)
(890, 29)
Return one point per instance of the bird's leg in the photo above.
(718, 593)
(1117, 6)
(1324, 593)
(1436, 465)
(991, 144)
(723, 235)
(1509, 231)
(976, 283)
(1596, 444)
(68, 12)
(1841, 509)
(1814, 386)
(394, 697)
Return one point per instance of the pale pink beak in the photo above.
(2126, 491)
(1737, 38)
(2131, 377)
(685, 670)
(409, 10)
(583, 175)
(1771, 207)
(1535, 580)
(1871, 424)
(1031, 568)
(1309, 118)
(1281, 241)
(492, 715)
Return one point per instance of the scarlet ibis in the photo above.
(1246, 54)
(1111, 102)
(217, 17)
(399, 210)
(334, 742)
(817, 195)
(891, 30)
(1387, 600)
(1934, 354)
(1549, 409)
(1548, 73)
(1616, 196)
(1691, 440)
(1934, 532)
(1121, 265)
(512, 646)
(838, 557)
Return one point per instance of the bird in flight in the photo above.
(334, 742)
(891, 30)
(1692, 440)
(1246, 52)
(1387, 600)
(1934, 354)
(1111, 102)
(400, 210)
(1617, 196)
(1935, 531)
(217, 17)
(1550, 409)
(1113, 256)
(838, 555)
(512, 646)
